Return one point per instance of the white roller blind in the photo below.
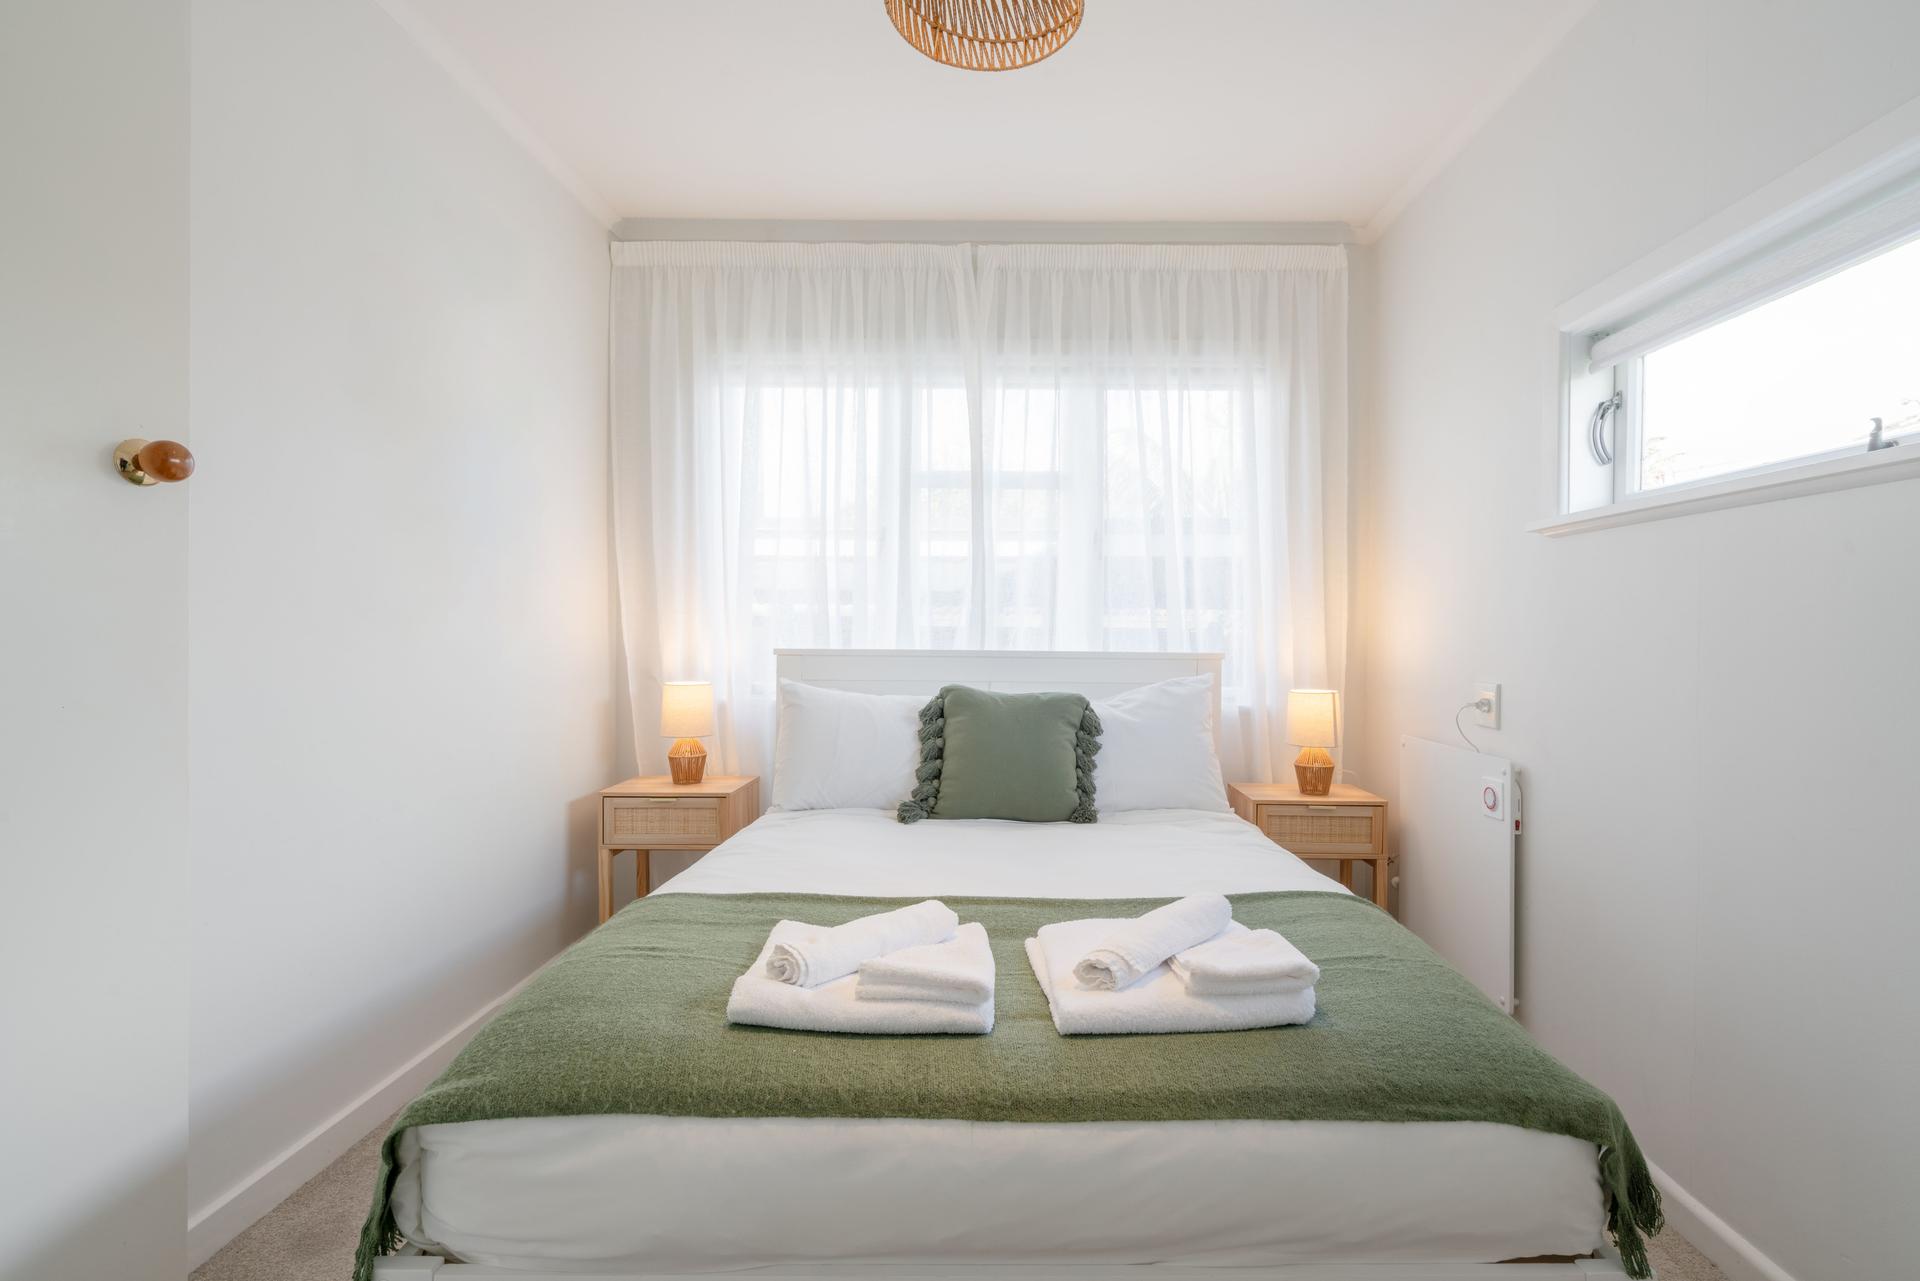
(1830, 247)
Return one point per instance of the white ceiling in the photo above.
(1185, 110)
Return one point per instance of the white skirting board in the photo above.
(1710, 1234)
(244, 1204)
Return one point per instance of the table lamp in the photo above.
(686, 716)
(1313, 725)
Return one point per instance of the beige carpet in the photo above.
(310, 1235)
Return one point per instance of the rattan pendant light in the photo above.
(987, 35)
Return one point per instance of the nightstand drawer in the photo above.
(1324, 830)
(660, 822)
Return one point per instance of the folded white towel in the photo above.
(809, 955)
(1132, 948)
(1240, 962)
(958, 971)
(833, 1006)
(1159, 1002)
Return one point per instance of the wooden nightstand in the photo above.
(1347, 826)
(657, 813)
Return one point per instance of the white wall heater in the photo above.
(1459, 817)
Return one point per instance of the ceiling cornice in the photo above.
(1502, 91)
(429, 40)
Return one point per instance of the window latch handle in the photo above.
(1597, 443)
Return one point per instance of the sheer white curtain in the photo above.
(791, 462)
(1157, 422)
(1047, 447)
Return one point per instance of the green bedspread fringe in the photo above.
(631, 1020)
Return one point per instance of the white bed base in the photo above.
(420, 1267)
(1097, 675)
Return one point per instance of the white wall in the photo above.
(402, 671)
(1715, 714)
(93, 638)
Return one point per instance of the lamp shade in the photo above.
(1313, 718)
(686, 709)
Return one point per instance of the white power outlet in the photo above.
(1487, 693)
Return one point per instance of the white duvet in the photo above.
(667, 1194)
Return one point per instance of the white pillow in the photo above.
(1156, 749)
(835, 749)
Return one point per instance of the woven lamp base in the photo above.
(1313, 769)
(688, 760)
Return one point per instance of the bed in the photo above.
(626, 1195)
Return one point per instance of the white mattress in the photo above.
(681, 1194)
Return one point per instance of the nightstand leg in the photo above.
(642, 874)
(606, 883)
(1346, 872)
(1380, 882)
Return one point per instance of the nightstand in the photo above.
(644, 814)
(1346, 826)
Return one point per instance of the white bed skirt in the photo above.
(698, 1194)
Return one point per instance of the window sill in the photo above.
(1791, 480)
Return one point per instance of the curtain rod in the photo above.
(986, 231)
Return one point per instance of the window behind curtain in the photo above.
(858, 527)
(1114, 515)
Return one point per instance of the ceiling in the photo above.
(1183, 110)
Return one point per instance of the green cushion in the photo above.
(1027, 757)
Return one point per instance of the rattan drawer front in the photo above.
(659, 822)
(1324, 829)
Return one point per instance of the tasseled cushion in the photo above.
(984, 754)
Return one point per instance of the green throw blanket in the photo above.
(632, 1020)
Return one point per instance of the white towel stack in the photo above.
(912, 971)
(1230, 980)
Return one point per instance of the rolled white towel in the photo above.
(1243, 962)
(1132, 948)
(811, 955)
(959, 971)
(1159, 1002)
(833, 1006)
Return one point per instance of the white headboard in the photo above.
(924, 671)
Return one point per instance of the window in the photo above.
(1797, 360)
(1802, 377)
(833, 515)
(1115, 513)
(1112, 516)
